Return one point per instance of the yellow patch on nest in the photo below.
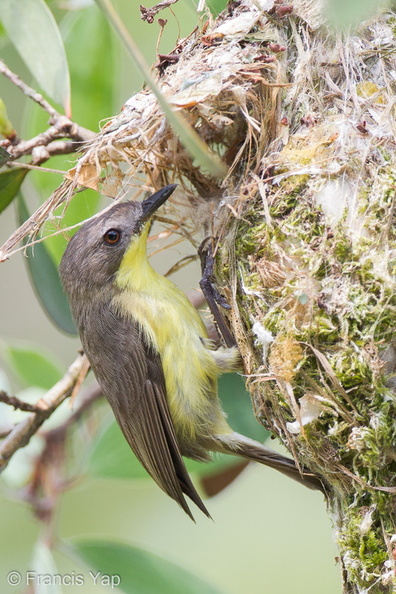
(285, 354)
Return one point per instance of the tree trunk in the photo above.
(304, 119)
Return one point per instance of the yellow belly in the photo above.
(172, 326)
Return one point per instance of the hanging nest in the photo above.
(305, 241)
(226, 80)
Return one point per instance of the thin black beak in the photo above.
(150, 205)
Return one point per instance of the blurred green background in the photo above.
(268, 535)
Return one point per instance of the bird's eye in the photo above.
(112, 236)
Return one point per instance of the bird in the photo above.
(149, 350)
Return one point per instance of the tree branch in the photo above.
(26, 90)
(23, 431)
(42, 153)
(17, 403)
(61, 126)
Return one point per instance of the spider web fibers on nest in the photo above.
(308, 262)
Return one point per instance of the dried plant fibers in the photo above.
(304, 119)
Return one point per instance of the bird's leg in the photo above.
(211, 294)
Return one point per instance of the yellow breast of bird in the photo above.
(172, 326)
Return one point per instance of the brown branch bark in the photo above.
(17, 403)
(23, 431)
(60, 121)
(148, 14)
(61, 127)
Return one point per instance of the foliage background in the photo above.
(268, 534)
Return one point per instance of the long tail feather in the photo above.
(239, 445)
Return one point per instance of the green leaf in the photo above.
(32, 366)
(96, 77)
(33, 30)
(45, 280)
(95, 82)
(216, 6)
(136, 571)
(10, 182)
(111, 457)
(238, 406)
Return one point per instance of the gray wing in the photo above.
(131, 377)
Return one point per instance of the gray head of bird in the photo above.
(95, 252)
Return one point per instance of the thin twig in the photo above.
(47, 144)
(61, 126)
(50, 471)
(180, 264)
(26, 90)
(58, 147)
(37, 167)
(23, 431)
(148, 14)
(17, 403)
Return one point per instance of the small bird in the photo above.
(149, 350)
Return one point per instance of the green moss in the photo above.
(371, 552)
(350, 368)
(366, 567)
(292, 188)
(338, 296)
